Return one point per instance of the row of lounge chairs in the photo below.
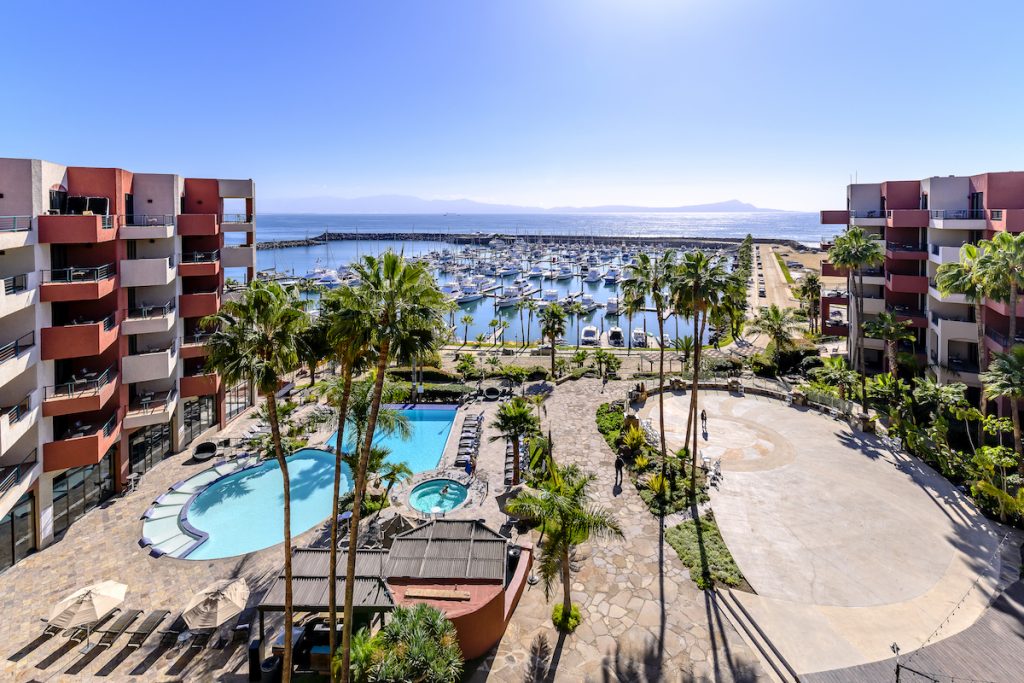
(510, 461)
(469, 440)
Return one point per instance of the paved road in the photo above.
(776, 287)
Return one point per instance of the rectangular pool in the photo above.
(430, 426)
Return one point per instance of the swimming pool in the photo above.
(244, 512)
(430, 426)
(438, 495)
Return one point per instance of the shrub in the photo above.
(810, 363)
(439, 393)
(435, 375)
(641, 462)
(762, 365)
(705, 553)
(634, 439)
(537, 372)
(563, 623)
(610, 417)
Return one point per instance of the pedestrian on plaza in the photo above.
(619, 464)
(704, 420)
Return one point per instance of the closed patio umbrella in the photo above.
(88, 604)
(215, 604)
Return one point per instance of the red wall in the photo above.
(202, 195)
(1002, 190)
(902, 194)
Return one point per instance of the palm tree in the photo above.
(856, 250)
(392, 473)
(892, 330)
(255, 339)
(1005, 379)
(493, 326)
(531, 309)
(313, 347)
(836, 371)
(408, 311)
(521, 307)
(809, 292)
(466, 321)
(552, 326)
(576, 310)
(652, 279)
(1002, 266)
(481, 338)
(698, 288)
(515, 421)
(684, 345)
(778, 324)
(568, 518)
(734, 305)
(537, 401)
(502, 325)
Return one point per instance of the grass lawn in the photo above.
(785, 269)
(705, 553)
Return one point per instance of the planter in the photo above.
(866, 423)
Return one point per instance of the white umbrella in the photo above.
(87, 604)
(215, 604)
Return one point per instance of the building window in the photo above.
(148, 446)
(200, 414)
(80, 489)
(236, 400)
(18, 532)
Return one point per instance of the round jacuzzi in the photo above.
(438, 495)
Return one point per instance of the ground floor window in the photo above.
(236, 400)
(18, 532)
(200, 414)
(80, 489)
(148, 446)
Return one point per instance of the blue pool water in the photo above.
(244, 512)
(431, 496)
(423, 450)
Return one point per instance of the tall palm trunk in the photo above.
(979, 319)
(860, 341)
(552, 357)
(566, 586)
(515, 459)
(698, 351)
(360, 488)
(275, 436)
(529, 326)
(521, 328)
(1014, 403)
(661, 393)
(332, 590)
(890, 353)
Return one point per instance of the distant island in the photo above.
(405, 204)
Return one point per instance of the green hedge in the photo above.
(440, 393)
(705, 554)
(435, 375)
(610, 417)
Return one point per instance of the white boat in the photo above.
(639, 337)
(615, 337)
(535, 273)
(611, 276)
(611, 306)
(506, 271)
(588, 303)
(593, 275)
(550, 296)
(589, 336)
(470, 292)
(564, 272)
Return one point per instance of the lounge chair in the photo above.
(120, 625)
(80, 633)
(201, 639)
(240, 631)
(169, 635)
(143, 631)
(204, 451)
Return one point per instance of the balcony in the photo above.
(149, 364)
(906, 284)
(82, 444)
(957, 219)
(147, 226)
(940, 254)
(239, 257)
(198, 225)
(955, 328)
(834, 217)
(1003, 307)
(236, 222)
(830, 270)
(78, 283)
(18, 293)
(17, 356)
(151, 408)
(199, 263)
(199, 304)
(148, 319)
(835, 298)
(145, 272)
(835, 329)
(916, 317)
(17, 420)
(194, 345)
(79, 338)
(200, 383)
(1000, 341)
(1006, 220)
(16, 478)
(87, 392)
(866, 218)
(934, 293)
(873, 305)
(906, 218)
(16, 231)
(906, 252)
(77, 229)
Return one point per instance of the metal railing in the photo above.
(15, 284)
(81, 386)
(19, 410)
(996, 214)
(898, 309)
(958, 214)
(12, 474)
(936, 317)
(896, 246)
(172, 347)
(867, 213)
(15, 223)
(80, 274)
(110, 425)
(236, 218)
(168, 259)
(196, 338)
(13, 349)
(139, 220)
(200, 256)
(144, 311)
(153, 401)
(108, 322)
(1003, 339)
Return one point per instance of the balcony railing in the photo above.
(15, 284)
(143, 312)
(196, 338)
(907, 311)
(958, 214)
(936, 317)
(13, 349)
(236, 218)
(996, 214)
(896, 246)
(16, 412)
(143, 220)
(10, 475)
(200, 256)
(109, 322)
(15, 223)
(88, 383)
(168, 259)
(152, 400)
(867, 213)
(172, 347)
(77, 274)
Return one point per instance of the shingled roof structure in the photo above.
(448, 549)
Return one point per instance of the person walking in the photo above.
(704, 420)
(619, 464)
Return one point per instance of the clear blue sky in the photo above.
(541, 102)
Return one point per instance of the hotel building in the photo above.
(923, 224)
(106, 275)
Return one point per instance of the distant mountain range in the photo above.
(396, 203)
